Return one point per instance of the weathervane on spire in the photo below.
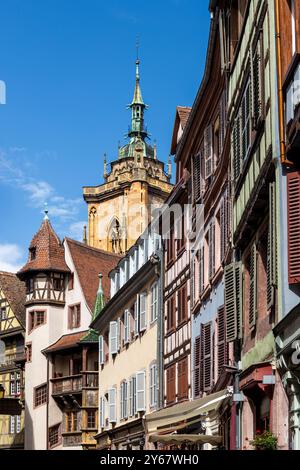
(137, 57)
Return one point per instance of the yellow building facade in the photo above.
(12, 357)
(120, 209)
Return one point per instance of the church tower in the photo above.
(120, 209)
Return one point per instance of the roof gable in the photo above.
(88, 263)
(15, 293)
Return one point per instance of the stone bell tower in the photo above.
(120, 209)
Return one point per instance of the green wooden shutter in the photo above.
(253, 287)
(236, 146)
(207, 357)
(272, 248)
(256, 81)
(233, 301)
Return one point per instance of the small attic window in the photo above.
(32, 253)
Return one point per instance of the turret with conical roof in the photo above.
(46, 268)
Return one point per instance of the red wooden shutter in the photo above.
(293, 187)
(197, 365)
(171, 384)
(222, 344)
(183, 385)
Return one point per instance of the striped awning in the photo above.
(182, 412)
(186, 439)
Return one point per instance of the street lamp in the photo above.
(2, 391)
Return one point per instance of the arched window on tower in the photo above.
(92, 225)
(115, 237)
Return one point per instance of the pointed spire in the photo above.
(105, 166)
(100, 301)
(85, 235)
(137, 97)
(169, 166)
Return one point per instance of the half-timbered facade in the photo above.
(130, 349)
(12, 355)
(287, 331)
(251, 281)
(62, 361)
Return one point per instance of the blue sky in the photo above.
(69, 72)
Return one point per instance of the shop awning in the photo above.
(185, 411)
(185, 438)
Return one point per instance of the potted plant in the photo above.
(265, 441)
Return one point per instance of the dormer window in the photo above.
(32, 253)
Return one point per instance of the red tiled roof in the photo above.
(15, 293)
(66, 342)
(181, 119)
(89, 262)
(184, 112)
(49, 252)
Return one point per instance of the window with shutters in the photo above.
(127, 329)
(207, 358)
(293, 187)
(154, 302)
(233, 301)
(222, 343)
(182, 305)
(272, 248)
(197, 177)
(208, 151)
(74, 316)
(137, 316)
(132, 396)
(102, 412)
(143, 311)
(211, 250)
(101, 351)
(197, 368)
(124, 400)
(216, 143)
(171, 384)
(112, 405)
(113, 337)
(153, 392)
(201, 270)
(141, 391)
(246, 121)
(257, 82)
(171, 318)
(183, 379)
(223, 121)
(253, 287)
(224, 224)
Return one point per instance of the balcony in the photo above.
(10, 360)
(67, 385)
(90, 380)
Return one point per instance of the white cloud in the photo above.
(14, 171)
(11, 257)
(39, 192)
(76, 230)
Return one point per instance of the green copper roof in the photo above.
(91, 337)
(100, 301)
